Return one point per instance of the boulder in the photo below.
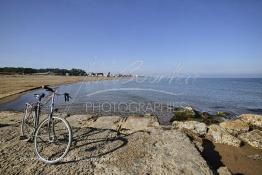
(235, 126)
(194, 126)
(205, 115)
(252, 119)
(189, 109)
(183, 113)
(223, 171)
(253, 138)
(220, 135)
(209, 119)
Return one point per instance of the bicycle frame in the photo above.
(37, 110)
(37, 114)
(51, 127)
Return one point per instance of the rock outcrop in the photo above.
(188, 113)
(252, 119)
(183, 113)
(98, 149)
(132, 145)
(134, 122)
(222, 114)
(160, 152)
(253, 138)
(220, 135)
(235, 126)
(194, 126)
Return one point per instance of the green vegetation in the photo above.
(182, 114)
(222, 114)
(53, 71)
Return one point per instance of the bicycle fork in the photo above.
(51, 129)
(51, 124)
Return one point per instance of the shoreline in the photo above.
(166, 117)
(15, 94)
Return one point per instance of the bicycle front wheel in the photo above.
(52, 139)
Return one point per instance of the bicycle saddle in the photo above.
(39, 96)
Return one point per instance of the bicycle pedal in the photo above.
(30, 140)
(26, 139)
(23, 138)
(74, 143)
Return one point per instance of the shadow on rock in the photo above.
(211, 155)
(3, 125)
(95, 142)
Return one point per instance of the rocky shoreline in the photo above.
(242, 131)
(195, 143)
(246, 128)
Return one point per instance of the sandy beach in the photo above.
(12, 86)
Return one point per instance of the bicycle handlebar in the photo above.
(48, 88)
(66, 95)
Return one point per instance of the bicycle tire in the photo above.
(27, 124)
(44, 123)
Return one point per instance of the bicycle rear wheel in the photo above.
(28, 123)
(52, 145)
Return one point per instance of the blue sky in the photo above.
(196, 37)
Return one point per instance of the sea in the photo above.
(152, 95)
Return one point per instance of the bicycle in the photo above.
(54, 132)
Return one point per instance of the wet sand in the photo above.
(239, 159)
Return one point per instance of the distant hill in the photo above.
(47, 71)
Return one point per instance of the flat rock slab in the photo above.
(155, 152)
(115, 122)
(102, 151)
(140, 123)
(104, 122)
